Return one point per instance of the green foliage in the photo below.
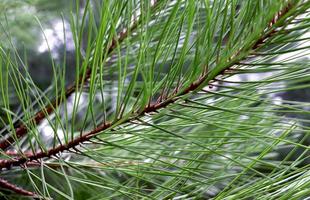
(172, 100)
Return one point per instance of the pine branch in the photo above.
(4, 184)
(21, 129)
(271, 31)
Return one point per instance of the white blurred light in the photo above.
(54, 37)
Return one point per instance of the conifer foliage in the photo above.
(182, 99)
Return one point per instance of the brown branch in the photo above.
(148, 109)
(4, 184)
(16, 154)
(21, 129)
(274, 20)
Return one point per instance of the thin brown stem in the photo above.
(148, 109)
(4, 184)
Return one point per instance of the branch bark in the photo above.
(14, 188)
(153, 107)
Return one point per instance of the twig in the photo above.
(15, 154)
(148, 109)
(14, 188)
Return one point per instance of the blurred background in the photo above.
(40, 31)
